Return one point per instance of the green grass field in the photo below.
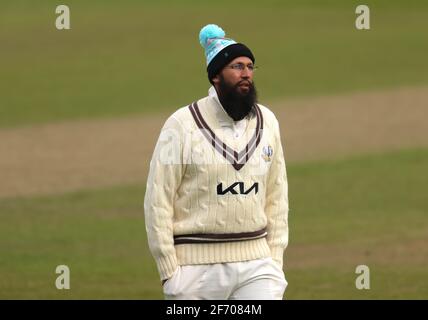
(143, 56)
(355, 211)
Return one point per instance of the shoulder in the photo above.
(183, 115)
(179, 119)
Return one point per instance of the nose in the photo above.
(246, 73)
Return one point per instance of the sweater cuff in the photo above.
(166, 266)
(277, 255)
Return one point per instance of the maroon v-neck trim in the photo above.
(237, 159)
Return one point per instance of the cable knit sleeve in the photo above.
(277, 202)
(166, 171)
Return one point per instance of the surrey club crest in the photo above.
(267, 153)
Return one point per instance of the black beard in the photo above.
(237, 105)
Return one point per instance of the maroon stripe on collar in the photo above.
(207, 127)
(255, 140)
(237, 159)
(212, 139)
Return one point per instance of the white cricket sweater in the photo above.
(217, 189)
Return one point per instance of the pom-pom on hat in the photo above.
(219, 50)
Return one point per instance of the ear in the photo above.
(216, 79)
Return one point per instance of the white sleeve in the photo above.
(166, 171)
(276, 207)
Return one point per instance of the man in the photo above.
(216, 203)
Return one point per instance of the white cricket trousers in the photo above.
(260, 279)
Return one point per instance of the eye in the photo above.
(241, 67)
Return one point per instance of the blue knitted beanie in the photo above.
(219, 50)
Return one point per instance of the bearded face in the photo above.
(235, 88)
(237, 99)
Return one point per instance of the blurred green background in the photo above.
(123, 58)
(143, 58)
